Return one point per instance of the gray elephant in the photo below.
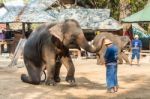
(121, 41)
(48, 47)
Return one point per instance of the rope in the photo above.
(44, 76)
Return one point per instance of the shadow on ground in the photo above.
(12, 88)
(139, 91)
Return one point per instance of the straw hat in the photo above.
(136, 36)
(107, 41)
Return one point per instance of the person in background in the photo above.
(136, 48)
(111, 57)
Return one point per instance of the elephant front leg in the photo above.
(125, 57)
(57, 71)
(67, 61)
(50, 65)
(98, 59)
(120, 61)
(102, 60)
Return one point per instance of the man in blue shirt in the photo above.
(136, 48)
(111, 57)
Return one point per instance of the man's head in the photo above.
(136, 37)
(107, 42)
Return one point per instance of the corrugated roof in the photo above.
(34, 16)
(35, 12)
(110, 24)
(12, 9)
(11, 15)
(40, 4)
(88, 18)
(140, 16)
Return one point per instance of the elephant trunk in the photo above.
(83, 43)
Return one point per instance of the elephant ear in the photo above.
(57, 31)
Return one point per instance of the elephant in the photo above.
(48, 48)
(121, 41)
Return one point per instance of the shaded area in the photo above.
(134, 83)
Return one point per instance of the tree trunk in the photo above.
(124, 12)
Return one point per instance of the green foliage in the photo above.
(1, 1)
(137, 5)
(114, 5)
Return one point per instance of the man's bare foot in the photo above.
(111, 90)
(116, 88)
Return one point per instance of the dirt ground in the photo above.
(134, 82)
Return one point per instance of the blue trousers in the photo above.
(111, 75)
(135, 53)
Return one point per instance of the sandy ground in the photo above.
(90, 78)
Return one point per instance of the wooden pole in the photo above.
(28, 26)
(23, 30)
(7, 26)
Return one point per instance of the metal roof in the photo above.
(110, 24)
(141, 16)
(35, 12)
(11, 10)
(40, 4)
(88, 18)
(11, 15)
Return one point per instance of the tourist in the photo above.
(111, 57)
(136, 48)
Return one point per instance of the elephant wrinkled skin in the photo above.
(47, 47)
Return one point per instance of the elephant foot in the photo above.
(120, 63)
(57, 79)
(50, 82)
(71, 81)
(128, 63)
(98, 63)
(25, 79)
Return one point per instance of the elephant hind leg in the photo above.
(125, 57)
(34, 74)
(120, 61)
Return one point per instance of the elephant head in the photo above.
(70, 31)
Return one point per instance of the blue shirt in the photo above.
(136, 45)
(111, 54)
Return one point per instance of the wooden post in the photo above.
(18, 52)
(79, 54)
(29, 26)
(23, 30)
(7, 26)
